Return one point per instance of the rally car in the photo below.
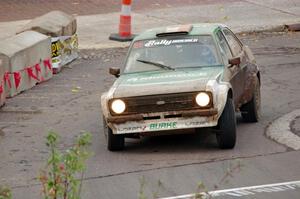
(182, 77)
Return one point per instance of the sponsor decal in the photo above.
(132, 128)
(167, 76)
(199, 122)
(165, 42)
(163, 125)
(138, 44)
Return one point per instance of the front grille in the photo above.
(161, 103)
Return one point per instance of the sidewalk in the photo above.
(241, 16)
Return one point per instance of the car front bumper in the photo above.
(140, 123)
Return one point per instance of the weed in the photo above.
(62, 178)
(5, 193)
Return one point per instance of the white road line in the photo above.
(245, 191)
(280, 130)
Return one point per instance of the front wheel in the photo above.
(226, 137)
(251, 110)
(114, 142)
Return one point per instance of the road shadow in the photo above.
(180, 141)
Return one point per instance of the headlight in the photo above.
(202, 99)
(118, 106)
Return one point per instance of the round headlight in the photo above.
(118, 106)
(202, 99)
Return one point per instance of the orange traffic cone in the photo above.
(125, 24)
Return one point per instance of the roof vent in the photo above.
(176, 30)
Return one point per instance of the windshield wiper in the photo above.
(156, 64)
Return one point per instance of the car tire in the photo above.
(114, 142)
(251, 110)
(226, 136)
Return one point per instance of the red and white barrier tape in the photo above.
(1, 88)
(32, 71)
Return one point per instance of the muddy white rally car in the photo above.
(182, 77)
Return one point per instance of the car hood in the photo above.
(164, 81)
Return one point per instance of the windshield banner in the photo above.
(165, 42)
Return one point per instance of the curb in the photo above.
(277, 28)
(280, 130)
(293, 27)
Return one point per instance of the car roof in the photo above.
(197, 29)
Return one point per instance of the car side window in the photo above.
(224, 48)
(234, 44)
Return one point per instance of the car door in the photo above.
(239, 71)
(230, 73)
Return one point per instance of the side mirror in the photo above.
(234, 61)
(114, 71)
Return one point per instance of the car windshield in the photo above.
(172, 53)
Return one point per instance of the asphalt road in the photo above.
(11, 10)
(179, 162)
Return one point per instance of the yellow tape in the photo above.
(64, 45)
(56, 48)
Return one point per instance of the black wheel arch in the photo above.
(230, 94)
(258, 76)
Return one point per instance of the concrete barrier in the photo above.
(26, 60)
(2, 92)
(62, 29)
(54, 24)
